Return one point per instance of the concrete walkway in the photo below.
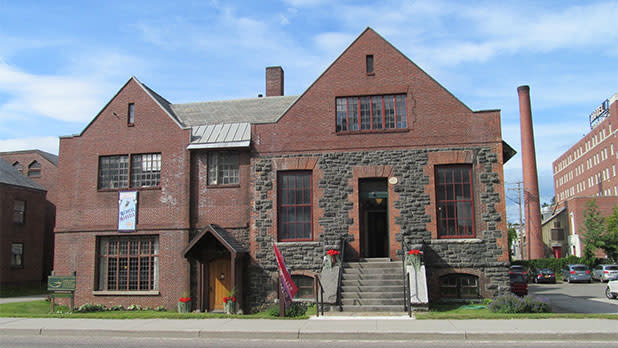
(361, 328)
(22, 299)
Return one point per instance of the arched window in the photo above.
(305, 286)
(19, 167)
(34, 169)
(459, 285)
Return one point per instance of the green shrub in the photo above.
(88, 307)
(509, 303)
(297, 309)
(160, 309)
(134, 307)
(116, 308)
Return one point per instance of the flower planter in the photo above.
(229, 307)
(184, 307)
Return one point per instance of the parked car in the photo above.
(544, 275)
(576, 273)
(519, 284)
(604, 273)
(519, 269)
(612, 288)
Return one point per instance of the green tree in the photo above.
(610, 237)
(592, 231)
(512, 235)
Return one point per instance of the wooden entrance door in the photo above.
(219, 282)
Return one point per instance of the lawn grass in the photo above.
(40, 309)
(458, 311)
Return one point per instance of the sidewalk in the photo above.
(22, 298)
(356, 328)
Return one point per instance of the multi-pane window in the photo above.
(19, 211)
(114, 171)
(145, 170)
(371, 112)
(34, 169)
(223, 168)
(454, 201)
(128, 263)
(305, 286)
(17, 254)
(459, 286)
(294, 205)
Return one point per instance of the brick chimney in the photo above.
(274, 81)
(532, 205)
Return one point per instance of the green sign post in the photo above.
(61, 286)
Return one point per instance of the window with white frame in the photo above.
(223, 168)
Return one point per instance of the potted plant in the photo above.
(229, 302)
(184, 304)
(414, 258)
(331, 258)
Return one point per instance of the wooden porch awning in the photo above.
(226, 239)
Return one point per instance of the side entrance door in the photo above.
(219, 282)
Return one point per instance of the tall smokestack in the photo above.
(531, 181)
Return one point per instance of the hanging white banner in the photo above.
(127, 210)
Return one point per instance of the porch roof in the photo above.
(228, 241)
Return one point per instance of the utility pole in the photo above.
(522, 245)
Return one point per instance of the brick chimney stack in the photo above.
(274, 81)
(532, 206)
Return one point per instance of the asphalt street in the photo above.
(135, 342)
(576, 297)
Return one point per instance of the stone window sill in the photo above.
(288, 244)
(457, 241)
(126, 293)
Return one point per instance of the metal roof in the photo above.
(221, 136)
(11, 176)
(253, 110)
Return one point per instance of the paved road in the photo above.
(22, 298)
(576, 297)
(135, 342)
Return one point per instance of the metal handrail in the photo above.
(342, 253)
(320, 288)
(406, 297)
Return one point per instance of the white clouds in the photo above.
(46, 143)
(59, 97)
(333, 42)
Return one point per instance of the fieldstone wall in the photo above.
(336, 170)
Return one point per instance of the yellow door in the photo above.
(219, 283)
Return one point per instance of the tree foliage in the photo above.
(600, 233)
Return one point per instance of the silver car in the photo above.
(604, 273)
(612, 288)
(576, 273)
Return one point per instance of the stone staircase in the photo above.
(372, 285)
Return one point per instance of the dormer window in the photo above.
(131, 114)
(369, 64)
(34, 170)
(19, 167)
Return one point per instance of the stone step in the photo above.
(371, 294)
(372, 265)
(376, 271)
(384, 308)
(372, 301)
(371, 282)
(371, 288)
(374, 259)
(364, 275)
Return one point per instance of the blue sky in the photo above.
(61, 61)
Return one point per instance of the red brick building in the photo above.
(587, 171)
(26, 223)
(160, 199)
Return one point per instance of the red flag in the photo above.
(288, 284)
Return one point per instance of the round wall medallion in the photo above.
(392, 180)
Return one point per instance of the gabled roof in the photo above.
(253, 110)
(226, 239)
(11, 176)
(53, 159)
